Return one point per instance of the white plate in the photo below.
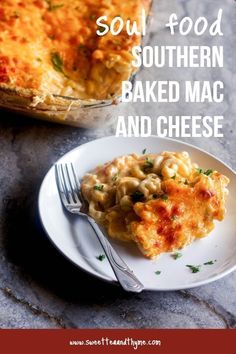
(75, 239)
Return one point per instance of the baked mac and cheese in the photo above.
(162, 202)
(51, 46)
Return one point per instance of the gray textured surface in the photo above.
(38, 287)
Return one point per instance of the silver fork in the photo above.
(72, 199)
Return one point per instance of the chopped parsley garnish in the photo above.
(137, 196)
(157, 272)
(101, 257)
(194, 269)
(57, 62)
(147, 165)
(177, 255)
(164, 197)
(114, 178)
(98, 187)
(52, 7)
(173, 177)
(55, 7)
(209, 263)
(208, 172)
(144, 151)
(92, 17)
(174, 217)
(102, 29)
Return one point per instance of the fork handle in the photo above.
(124, 275)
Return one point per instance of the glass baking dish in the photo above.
(62, 109)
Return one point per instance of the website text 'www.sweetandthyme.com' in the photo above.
(105, 341)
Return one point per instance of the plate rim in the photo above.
(101, 277)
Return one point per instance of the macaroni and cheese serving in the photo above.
(162, 202)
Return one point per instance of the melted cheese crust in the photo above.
(187, 214)
(162, 202)
(52, 46)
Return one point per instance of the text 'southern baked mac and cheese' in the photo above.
(162, 202)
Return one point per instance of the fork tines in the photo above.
(67, 183)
